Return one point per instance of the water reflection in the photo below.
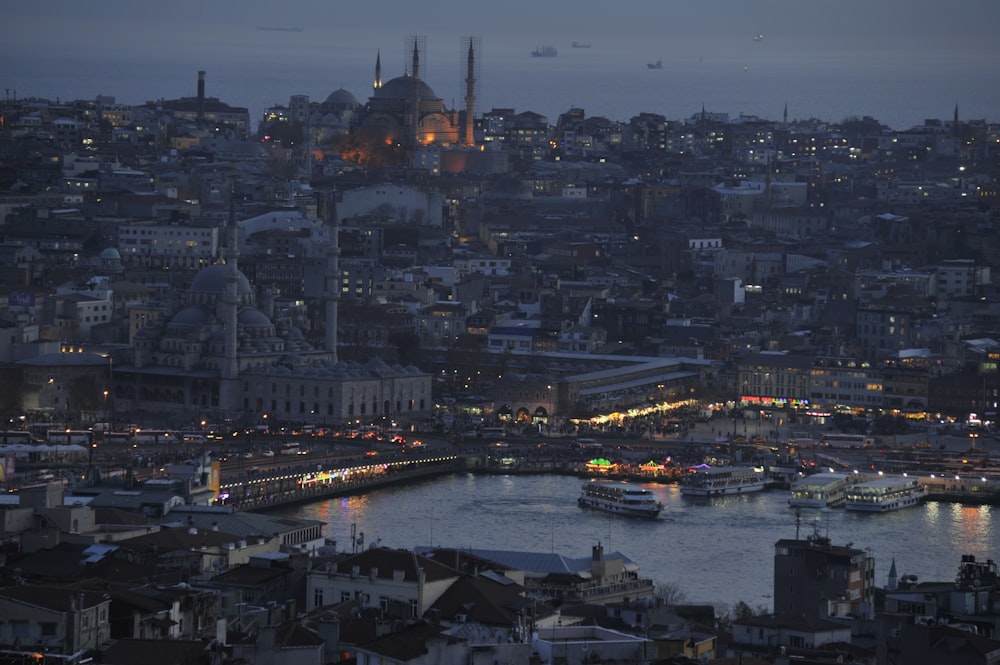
(717, 550)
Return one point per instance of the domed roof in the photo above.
(213, 280)
(191, 317)
(110, 253)
(253, 318)
(342, 97)
(405, 87)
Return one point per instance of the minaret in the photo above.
(892, 582)
(229, 379)
(332, 279)
(415, 119)
(470, 94)
(785, 118)
(378, 71)
(954, 123)
(201, 94)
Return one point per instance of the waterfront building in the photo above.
(815, 579)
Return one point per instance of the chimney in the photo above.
(201, 85)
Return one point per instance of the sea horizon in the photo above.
(258, 69)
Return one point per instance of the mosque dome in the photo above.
(212, 281)
(191, 317)
(253, 318)
(111, 254)
(405, 87)
(341, 98)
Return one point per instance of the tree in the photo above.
(669, 594)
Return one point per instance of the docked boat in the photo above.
(885, 495)
(545, 52)
(723, 480)
(820, 490)
(619, 498)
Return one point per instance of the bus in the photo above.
(847, 441)
(12, 436)
(69, 436)
(292, 448)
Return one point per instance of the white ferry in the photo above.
(820, 490)
(885, 494)
(723, 480)
(619, 498)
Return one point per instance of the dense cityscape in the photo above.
(208, 316)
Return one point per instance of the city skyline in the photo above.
(888, 61)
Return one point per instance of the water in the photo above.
(900, 86)
(716, 551)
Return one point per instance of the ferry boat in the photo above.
(545, 52)
(820, 490)
(723, 480)
(885, 495)
(619, 498)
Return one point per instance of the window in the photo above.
(345, 596)
(48, 628)
(383, 603)
(318, 597)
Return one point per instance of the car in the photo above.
(268, 453)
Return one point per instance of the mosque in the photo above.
(218, 356)
(404, 110)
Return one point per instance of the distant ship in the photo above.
(759, 37)
(545, 52)
(655, 65)
(279, 28)
(580, 45)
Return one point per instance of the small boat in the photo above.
(759, 37)
(885, 495)
(655, 65)
(619, 498)
(820, 490)
(545, 52)
(723, 480)
(279, 28)
(580, 45)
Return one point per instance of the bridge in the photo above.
(266, 489)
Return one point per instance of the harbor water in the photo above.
(717, 551)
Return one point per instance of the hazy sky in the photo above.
(909, 51)
(933, 24)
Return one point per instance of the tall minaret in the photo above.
(470, 94)
(378, 71)
(332, 278)
(229, 376)
(415, 111)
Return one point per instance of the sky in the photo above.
(128, 24)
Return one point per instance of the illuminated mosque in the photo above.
(405, 109)
(218, 355)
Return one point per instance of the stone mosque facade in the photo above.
(403, 110)
(218, 356)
